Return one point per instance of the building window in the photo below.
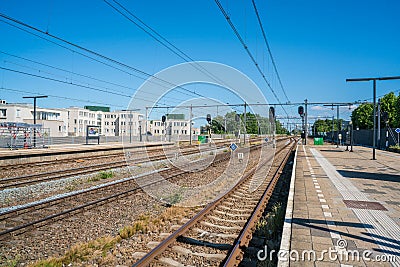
(74, 121)
(59, 128)
(3, 112)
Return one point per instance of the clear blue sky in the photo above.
(316, 46)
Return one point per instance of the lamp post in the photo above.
(374, 96)
(140, 131)
(34, 114)
(351, 136)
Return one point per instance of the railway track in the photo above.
(34, 178)
(65, 173)
(217, 233)
(73, 159)
(20, 220)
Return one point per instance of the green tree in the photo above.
(280, 129)
(326, 125)
(362, 116)
(396, 119)
(388, 104)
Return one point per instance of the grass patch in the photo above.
(270, 225)
(140, 226)
(6, 262)
(101, 176)
(81, 252)
(99, 249)
(72, 186)
(175, 198)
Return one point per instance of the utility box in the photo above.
(318, 141)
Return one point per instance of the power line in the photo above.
(269, 49)
(89, 57)
(95, 53)
(161, 39)
(247, 50)
(64, 82)
(61, 97)
(74, 73)
(67, 71)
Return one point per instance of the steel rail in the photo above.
(59, 216)
(236, 253)
(160, 248)
(61, 174)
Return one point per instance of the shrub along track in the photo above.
(216, 233)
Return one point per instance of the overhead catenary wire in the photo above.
(269, 49)
(237, 34)
(60, 97)
(89, 57)
(148, 75)
(74, 84)
(74, 73)
(161, 39)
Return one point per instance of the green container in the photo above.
(202, 139)
(318, 141)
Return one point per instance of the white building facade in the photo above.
(111, 123)
(173, 127)
(55, 120)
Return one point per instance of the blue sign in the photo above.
(397, 130)
(266, 139)
(233, 146)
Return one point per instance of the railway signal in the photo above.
(301, 111)
(271, 113)
(163, 118)
(208, 118)
(237, 117)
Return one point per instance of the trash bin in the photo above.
(318, 141)
(202, 139)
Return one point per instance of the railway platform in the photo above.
(58, 151)
(343, 209)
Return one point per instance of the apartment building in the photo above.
(79, 118)
(111, 123)
(55, 121)
(73, 121)
(175, 124)
(129, 123)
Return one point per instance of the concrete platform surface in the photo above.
(346, 208)
(68, 148)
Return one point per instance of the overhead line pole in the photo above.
(374, 102)
(306, 121)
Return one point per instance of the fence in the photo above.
(364, 137)
(14, 137)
